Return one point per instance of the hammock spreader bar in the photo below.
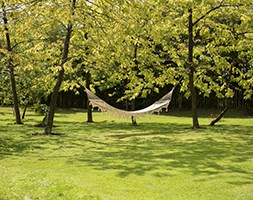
(164, 102)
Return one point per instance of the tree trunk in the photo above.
(191, 72)
(134, 122)
(191, 64)
(11, 68)
(44, 120)
(43, 123)
(24, 111)
(49, 126)
(89, 106)
(223, 112)
(15, 96)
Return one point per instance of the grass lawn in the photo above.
(161, 159)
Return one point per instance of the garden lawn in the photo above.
(161, 159)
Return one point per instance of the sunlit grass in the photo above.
(162, 158)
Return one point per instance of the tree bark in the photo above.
(133, 102)
(11, 68)
(44, 121)
(15, 96)
(89, 106)
(191, 72)
(24, 111)
(49, 126)
(191, 64)
(134, 122)
(223, 112)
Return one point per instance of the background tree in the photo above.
(193, 19)
(64, 59)
(227, 63)
(9, 54)
(137, 46)
(127, 53)
(30, 86)
(16, 36)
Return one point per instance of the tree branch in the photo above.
(208, 12)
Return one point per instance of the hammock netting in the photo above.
(162, 103)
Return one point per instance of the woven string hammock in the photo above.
(164, 102)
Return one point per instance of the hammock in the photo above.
(164, 102)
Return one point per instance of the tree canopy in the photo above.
(138, 45)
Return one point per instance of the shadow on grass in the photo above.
(207, 113)
(18, 140)
(157, 149)
(162, 149)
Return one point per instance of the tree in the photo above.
(198, 16)
(9, 56)
(140, 46)
(29, 76)
(192, 70)
(64, 58)
(229, 61)
(127, 52)
(89, 107)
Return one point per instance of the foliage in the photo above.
(129, 48)
(139, 46)
(29, 76)
(41, 109)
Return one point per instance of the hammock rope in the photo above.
(164, 102)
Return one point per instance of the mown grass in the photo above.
(161, 159)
